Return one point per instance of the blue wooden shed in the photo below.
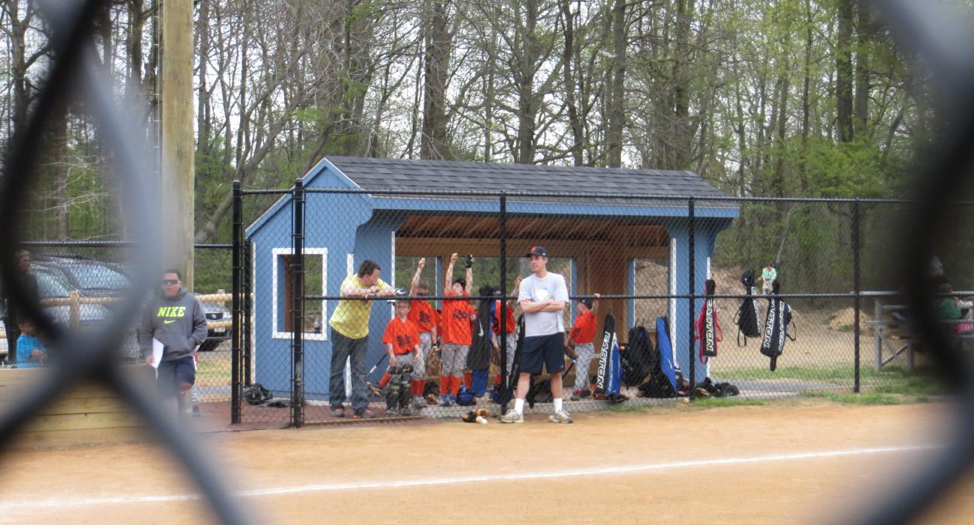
(599, 240)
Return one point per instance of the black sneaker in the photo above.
(405, 411)
(338, 411)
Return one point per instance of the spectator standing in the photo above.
(457, 332)
(581, 338)
(350, 337)
(30, 352)
(12, 316)
(176, 319)
(543, 297)
(768, 277)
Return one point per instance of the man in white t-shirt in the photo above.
(543, 297)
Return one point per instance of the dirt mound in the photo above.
(844, 320)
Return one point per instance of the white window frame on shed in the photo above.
(308, 336)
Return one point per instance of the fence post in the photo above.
(505, 381)
(235, 301)
(856, 276)
(74, 305)
(247, 278)
(691, 205)
(297, 311)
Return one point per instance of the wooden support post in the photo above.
(75, 315)
(178, 176)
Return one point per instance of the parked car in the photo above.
(93, 278)
(216, 313)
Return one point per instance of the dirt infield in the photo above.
(767, 464)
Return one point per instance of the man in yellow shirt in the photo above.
(350, 337)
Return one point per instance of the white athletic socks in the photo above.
(558, 405)
(519, 406)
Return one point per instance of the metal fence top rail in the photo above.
(113, 244)
(827, 295)
(620, 196)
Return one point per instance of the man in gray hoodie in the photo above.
(176, 319)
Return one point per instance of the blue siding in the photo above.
(364, 225)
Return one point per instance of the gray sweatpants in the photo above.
(453, 358)
(425, 348)
(583, 358)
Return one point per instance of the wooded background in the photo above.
(759, 97)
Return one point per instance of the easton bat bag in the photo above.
(496, 394)
(748, 314)
(708, 329)
(776, 327)
(609, 378)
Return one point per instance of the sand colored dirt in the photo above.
(58, 485)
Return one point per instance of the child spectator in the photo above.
(510, 333)
(402, 345)
(425, 318)
(30, 351)
(457, 334)
(581, 338)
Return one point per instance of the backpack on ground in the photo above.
(663, 381)
(256, 394)
(639, 357)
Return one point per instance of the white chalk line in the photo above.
(330, 487)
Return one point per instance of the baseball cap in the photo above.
(537, 250)
(587, 302)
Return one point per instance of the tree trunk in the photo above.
(843, 69)
(569, 52)
(434, 142)
(681, 85)
(616, 100)
(861, 109)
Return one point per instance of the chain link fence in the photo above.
(647, 257)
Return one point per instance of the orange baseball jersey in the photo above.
(584, 329)
(511, 328)
(423, 315)
(404, 336)
(456, 321)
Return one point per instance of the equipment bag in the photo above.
(639, 357)
(776, 327)
(609, 378)
(478, 358)
(748, 314)
(708, 329)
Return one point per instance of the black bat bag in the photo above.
(748, 314)
(776, 328)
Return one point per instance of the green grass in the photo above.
(625, 409)
(920, 380)
(865, 398)
(721, 402)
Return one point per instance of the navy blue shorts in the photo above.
(173, 373)
(547, 350)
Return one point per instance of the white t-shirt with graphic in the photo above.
(534, 289)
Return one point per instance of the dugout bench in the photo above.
(893, 331)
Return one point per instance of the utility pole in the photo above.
(178, 174)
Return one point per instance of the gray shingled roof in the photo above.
(394, 174)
